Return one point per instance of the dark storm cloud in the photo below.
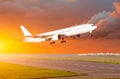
(56, 12)
(75, 8)
(108, 23)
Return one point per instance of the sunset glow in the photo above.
(1, 46)
(40, 16)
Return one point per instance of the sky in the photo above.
(40, 16)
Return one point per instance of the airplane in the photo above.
(74, 32)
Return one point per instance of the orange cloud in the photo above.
(108, 23)
(46, 15)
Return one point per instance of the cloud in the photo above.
(99, 16)
(72, 1)
(54, 13)
(108, 23)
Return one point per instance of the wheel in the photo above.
(53, 42)
(91, 35)
(63, 41)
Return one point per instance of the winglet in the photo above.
(25, 31)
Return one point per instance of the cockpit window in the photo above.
(93, 24)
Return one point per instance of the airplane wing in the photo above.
(42, 36)
(51, 37)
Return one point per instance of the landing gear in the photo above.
(78, 36)
(52, 42)
(91, 35)
(63, 41)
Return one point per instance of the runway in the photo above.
(95, 70)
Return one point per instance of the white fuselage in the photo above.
(67, 32)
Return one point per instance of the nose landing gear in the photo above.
(91, 34)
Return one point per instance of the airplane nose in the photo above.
(94, 27)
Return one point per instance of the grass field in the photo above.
(13, 71)
(101, 59)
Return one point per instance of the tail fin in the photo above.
(25, 31)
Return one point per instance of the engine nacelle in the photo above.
(55, 37)
(75, 36)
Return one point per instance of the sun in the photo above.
(1, 46)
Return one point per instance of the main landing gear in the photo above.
(63, 41)
(91, 35)
(52, 42)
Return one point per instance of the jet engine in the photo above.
(75, 36)
(55, 37)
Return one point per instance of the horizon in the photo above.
(40, 16)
